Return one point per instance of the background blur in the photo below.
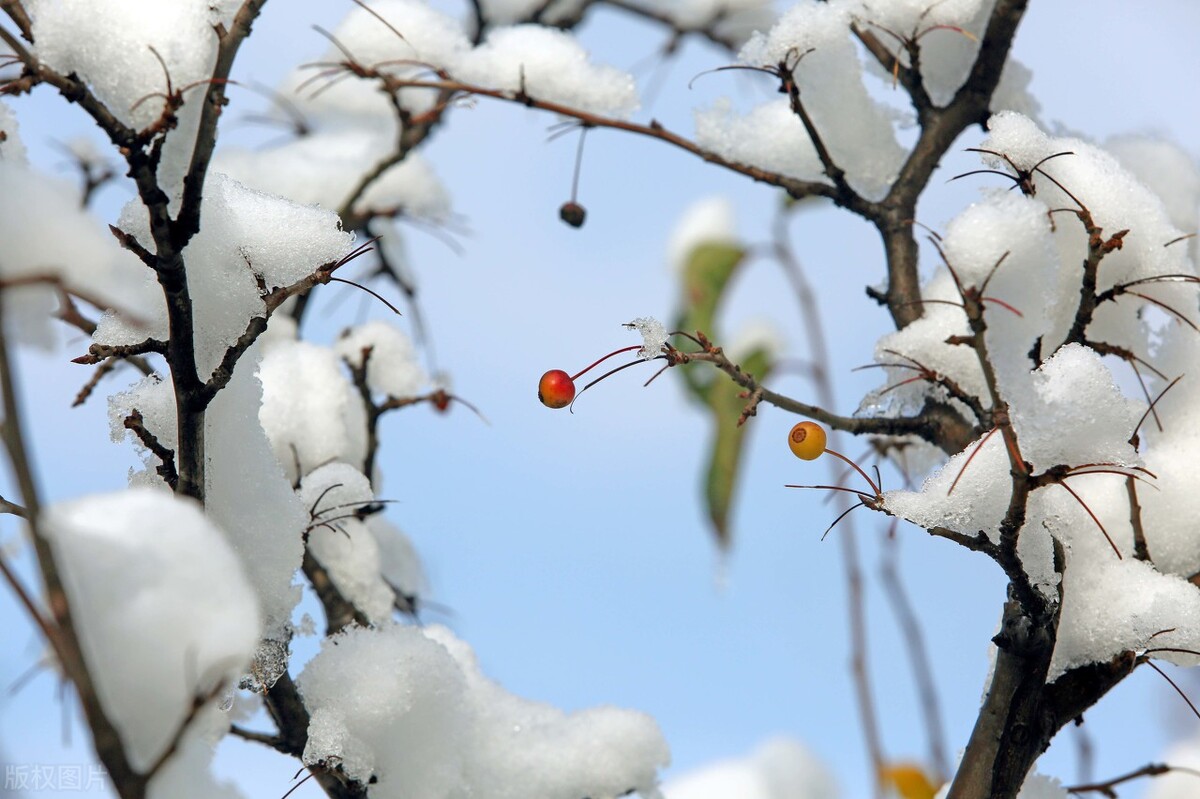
(571, 550)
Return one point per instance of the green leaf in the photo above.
(706, 275)
(726, 404)
(706, 278)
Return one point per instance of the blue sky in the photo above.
(571, 548)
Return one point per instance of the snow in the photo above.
(310, 411)
(1168, 511)
(248, 239)
(508, 12)
(429, 37)
(548, 65)
(387, 704)
(392, 367)
(1036, 786)
(410, 707)
(12, 149)
(1039, 786)
(654, 336)
(922, 344)
(980, 496)
(1165, 168)
(48, 236)
(1012, 93)
(1075, 384)
(1068, 408)
(1015, 228)
(341, 542)
(399, 565)
(814, 41)
(1116, 199)
(430, 40)
(161, 604)
(709, 220)
(172, 600)
(188, 774)
(325, 167)
(111, 46)
(735, 20)
(946, 55)
(912, 17)
(1110, 607)
(263, 516)
(770, 136)
(779, 768)
(154, 399)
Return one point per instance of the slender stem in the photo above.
(578, 164)
(61, 634)
(587, 369)
(856, 611)
(856, 467)
(922, 667)
(856, 608)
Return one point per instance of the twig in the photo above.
(922, 668)
(198, 703)
(1085, 752)
(61, 635)
(274, 741)
(856, 606)
(101, 352)
(136, 424)
(16, 12)
(935, 423)
(796, 188)
(7, 506)
(287, 710)
(856, 612)
(1150, 770)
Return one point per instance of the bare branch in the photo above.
(1108, 787)
(16, 12)
(136, 424)
(61, 635)
(922, 668)
(796, 188)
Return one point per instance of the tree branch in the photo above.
(136, 424)
(16, 12)
(230, 41)
(286, 708)
(935, 423)
(922, 668)
(939, 129)
(794, 187)
(61, 635)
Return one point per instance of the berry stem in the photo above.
(587, 369)
(857, 468)
(578, 164)
(609, 373)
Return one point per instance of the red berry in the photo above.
(556, 389)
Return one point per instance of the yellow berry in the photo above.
(807, 440)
